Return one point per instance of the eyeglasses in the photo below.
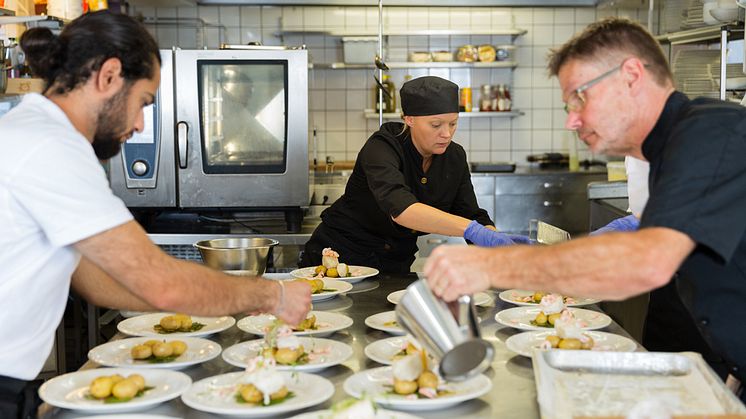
(576, 101)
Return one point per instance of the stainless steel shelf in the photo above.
(707, 33)
(371, 114)
(424, 32)
(7, 12)
(430, 64)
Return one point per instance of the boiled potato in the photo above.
(185, 321)
(404, 387)
(162, 350)
(279, 394)
(553, 317)
(411, 349)
(116, 378)
(321, 269)
(170, 323)
(125, 389)
(569, 344)
(101, 387)
(332, 273)
(178, 346)
(541, 319)
(286, 356)
(553, 340)
(268, 352)
(250, 394)
(141, 352)
(588, 344)
(138, 379)
(318, 285)
(428, 380)
(308, 323)
(151, 342)
(538, 296)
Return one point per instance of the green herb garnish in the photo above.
(195, 327)
(545, 325)
(154, 360)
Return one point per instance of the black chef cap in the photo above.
(429, 95)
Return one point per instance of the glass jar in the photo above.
(389, 100)
(485, 98)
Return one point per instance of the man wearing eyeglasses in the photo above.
(621, 100)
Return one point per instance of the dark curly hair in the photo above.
(68, 60)
(611, 36)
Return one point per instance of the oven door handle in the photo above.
(182, 135)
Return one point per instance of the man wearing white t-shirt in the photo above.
(60, 224)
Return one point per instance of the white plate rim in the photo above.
(126, 326)
(416, 404)
(369, 321)
(96, 353)
(265, 410)
(178, 383)
(371, 347)
(245, 324)
(327, 414)
(505, 296)
(304, 273)
(480, 298)
(305, 341)
(512, 342)
(500, 318)
(343, 287)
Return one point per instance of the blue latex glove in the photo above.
(628, 223)
(483, 236)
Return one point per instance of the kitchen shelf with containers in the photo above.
(372, 114)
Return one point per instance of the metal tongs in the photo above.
(544, 233)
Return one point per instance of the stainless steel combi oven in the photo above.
(228, 131)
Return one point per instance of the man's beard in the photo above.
(111, 125)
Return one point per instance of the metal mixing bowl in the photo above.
(247, 255)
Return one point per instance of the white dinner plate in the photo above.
(69, 391)
(327, 323)
(520, 318)
(130, 416)
(118, 353)
(480, 298)
(377, 383)
(338, 287)
(383, 350)
(218, 395)
(386, 322)
(516, 297)
(323, 353)
(525, 343)
(358, 273)
(143, 325)
(380, 414)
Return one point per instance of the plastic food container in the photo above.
(360, 49)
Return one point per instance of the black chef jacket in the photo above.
(697, 155)
(388, 178)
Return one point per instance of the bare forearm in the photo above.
(428, 219)
(100, 289)
(612, 266)
(166, 283)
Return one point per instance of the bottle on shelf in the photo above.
(465, 100)
(504, 104)
(485, 98)
(389, 95)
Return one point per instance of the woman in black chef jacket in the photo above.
(409, 179)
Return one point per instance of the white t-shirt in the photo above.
(637, 184)
(53, 193)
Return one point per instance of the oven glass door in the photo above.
(242, 110)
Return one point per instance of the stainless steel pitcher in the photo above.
(448, 331)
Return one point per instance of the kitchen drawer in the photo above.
(550, 184)
(566, 211)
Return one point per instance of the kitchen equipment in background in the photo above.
(487, 53)
(480, 167)
(450, 332)
(327, 193)
(420, 56)
(544, 233)
(247, 255)
(547, 160)
(360, 49)
(505, 52)
(230, 134)
(615, 170)
(442, 56)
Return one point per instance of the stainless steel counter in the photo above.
(513, 393)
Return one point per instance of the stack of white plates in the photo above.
(692, 71)
(693, 16)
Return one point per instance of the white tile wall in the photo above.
(338, 97)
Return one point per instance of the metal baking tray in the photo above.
(587, 383)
